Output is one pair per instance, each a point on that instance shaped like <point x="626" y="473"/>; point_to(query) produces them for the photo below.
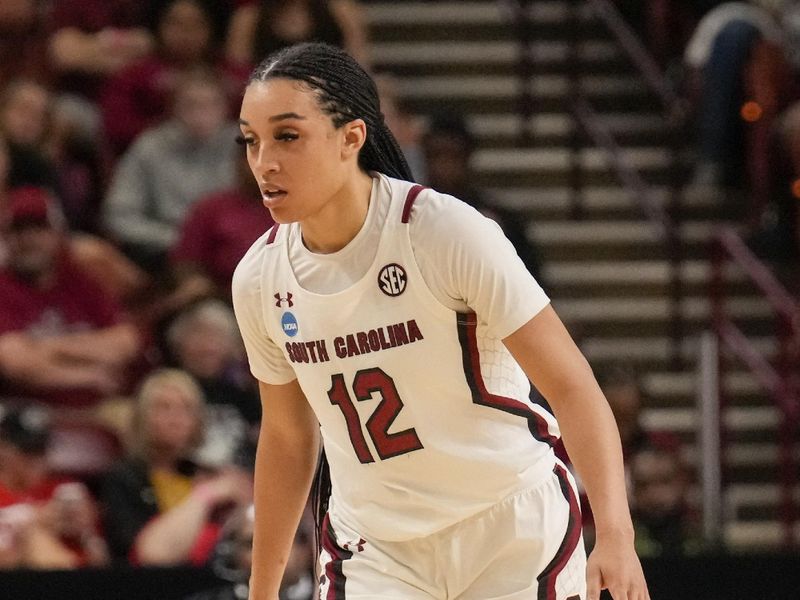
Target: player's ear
<point x="355" y="136"/>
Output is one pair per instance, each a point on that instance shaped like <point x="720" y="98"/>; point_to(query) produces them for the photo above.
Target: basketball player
<point x="398" y="325"/>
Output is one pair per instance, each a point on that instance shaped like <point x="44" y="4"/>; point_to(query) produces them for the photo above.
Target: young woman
<point x="399" y="325"/>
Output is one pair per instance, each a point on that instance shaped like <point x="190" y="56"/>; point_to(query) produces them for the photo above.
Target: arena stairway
<point x="607" y="274"/>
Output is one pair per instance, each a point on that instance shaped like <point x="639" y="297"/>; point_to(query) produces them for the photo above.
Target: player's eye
<point x="243" y="140"/>
<point x="286" y="136"/>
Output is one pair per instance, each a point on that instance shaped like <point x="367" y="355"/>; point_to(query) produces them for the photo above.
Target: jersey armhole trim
<point x="272" y="233"/>
<point x="410" y="198"/>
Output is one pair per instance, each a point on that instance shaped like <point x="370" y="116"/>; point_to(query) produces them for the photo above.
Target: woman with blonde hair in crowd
<point x="162" y="508"/>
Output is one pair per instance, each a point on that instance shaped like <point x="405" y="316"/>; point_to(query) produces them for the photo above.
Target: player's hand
<point x="613" y="565"/>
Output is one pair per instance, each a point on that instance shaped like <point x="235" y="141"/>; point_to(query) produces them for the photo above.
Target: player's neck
<point x="340" y="220"/>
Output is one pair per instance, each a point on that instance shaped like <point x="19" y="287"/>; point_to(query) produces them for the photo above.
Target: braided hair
<point x="345" y="92"/>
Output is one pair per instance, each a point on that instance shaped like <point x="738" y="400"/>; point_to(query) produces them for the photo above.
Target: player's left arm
<point x="548" y="355"/>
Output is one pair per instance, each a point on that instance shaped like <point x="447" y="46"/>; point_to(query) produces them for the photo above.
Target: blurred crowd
<point x="128" y="417"/>
<point x="737" y="65"/>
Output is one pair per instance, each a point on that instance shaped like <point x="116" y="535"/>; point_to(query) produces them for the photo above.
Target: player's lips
<point x="272" y="195"/>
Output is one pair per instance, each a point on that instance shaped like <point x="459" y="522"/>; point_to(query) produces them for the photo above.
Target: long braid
<point x="345" y="92"/>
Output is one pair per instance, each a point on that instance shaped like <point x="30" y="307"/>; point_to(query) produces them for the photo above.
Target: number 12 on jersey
<point x="365" y="383"/>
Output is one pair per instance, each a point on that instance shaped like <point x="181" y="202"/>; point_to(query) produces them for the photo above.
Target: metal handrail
<point x="637" y="53"/>
<point x="776" y="294"/>
<point x="781" y="382"/>
<point x="631" y="178"/>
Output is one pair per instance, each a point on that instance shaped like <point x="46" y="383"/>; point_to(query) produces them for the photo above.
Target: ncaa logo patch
<point x="289" y="324"/>
<point x="392" y="279"/>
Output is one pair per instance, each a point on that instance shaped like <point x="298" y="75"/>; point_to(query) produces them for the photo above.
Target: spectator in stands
<point x="25" y="118"/>
<point x="234" y="555"/>
<point x="218" y="230"/>
<point x="661" y="516"/>
<point x="448" y="146"/>
<point x="407" y="127"/>
<point x="93" y="39"/>
<point x="170" y="167"/>
<point x="783" y="217"/>
<point x="203" y="339"/>
<point x="23" y="40"/>
<point x="260" y="28"/>
<point x="718" y="56"/>
<point x="62" y="339"/>
<point x="46" y="150"/>
<point x="45" y="522"/>
<point x="161" y="508"/>
<point x="187" y="35"/>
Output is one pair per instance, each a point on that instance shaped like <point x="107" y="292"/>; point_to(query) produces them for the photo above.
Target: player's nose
<point x="264" y="163"/>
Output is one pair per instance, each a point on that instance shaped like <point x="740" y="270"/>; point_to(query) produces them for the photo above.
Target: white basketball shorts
<point x="529" y="546"/>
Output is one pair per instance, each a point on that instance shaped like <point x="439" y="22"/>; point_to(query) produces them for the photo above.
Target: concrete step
<point x="737" y="419"/>
<point x="749" y="536"/>
<point x="634" y="279"/>
<point x="555" y="129"/>
<point x="599" y="202"/>
<point x="650" y="353"/>
<point x="615" y="240"/>
<point x="498" y="93"/>
<point x="411" y="57"/>
<point x="664" y="389"/>
<point x="553" y="166"/>
<point x="740" y="498"/>
<point x="397" y="21"/>
<point x="633" y="316"/>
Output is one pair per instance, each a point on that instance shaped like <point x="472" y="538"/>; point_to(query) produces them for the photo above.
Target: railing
<point x="587" y="123"/>
<point x="674" y="112"/>
<point x="781" y="380"/>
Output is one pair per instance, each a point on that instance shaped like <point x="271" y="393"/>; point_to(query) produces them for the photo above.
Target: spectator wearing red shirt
<point x="218" y="231"/>
<point x="62" y="339"/>
<point x="187" y="35"/>
<point x="46" y="522"/>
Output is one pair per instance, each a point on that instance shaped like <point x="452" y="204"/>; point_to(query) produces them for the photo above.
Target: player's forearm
<point x="283" y="473"/>
<point x="592" y="441"/>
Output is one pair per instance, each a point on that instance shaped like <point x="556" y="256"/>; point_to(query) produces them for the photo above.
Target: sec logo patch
<point x="392" y="279"/>
<point x="289" y="324"/>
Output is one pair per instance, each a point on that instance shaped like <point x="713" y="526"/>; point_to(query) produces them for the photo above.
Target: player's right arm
<point x="288" y="447"/>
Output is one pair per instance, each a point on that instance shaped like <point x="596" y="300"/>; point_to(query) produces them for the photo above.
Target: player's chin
<point x="284" y="215"/>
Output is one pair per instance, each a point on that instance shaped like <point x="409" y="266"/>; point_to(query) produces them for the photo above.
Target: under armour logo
<point x="281" y="299"/>
<point x="355" y="546"/>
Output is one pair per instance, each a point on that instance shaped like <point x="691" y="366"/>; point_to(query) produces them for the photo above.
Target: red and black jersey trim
<point x="410" y="198"/>
<point x="272" y="233"/>
<point x="467" y="336"/>
<point x="333" y="568"/>
<point x="547" y="578"/>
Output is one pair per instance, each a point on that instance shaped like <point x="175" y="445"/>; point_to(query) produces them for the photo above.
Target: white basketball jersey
<point x="425" y="417"/>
